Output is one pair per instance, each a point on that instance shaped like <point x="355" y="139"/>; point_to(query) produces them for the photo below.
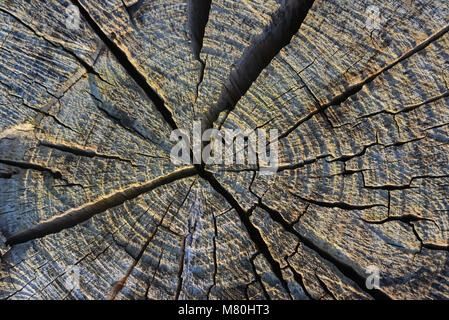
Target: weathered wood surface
<point x="86" y="116"/>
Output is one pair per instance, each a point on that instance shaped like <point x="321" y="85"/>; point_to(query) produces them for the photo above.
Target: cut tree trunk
<point x="92" y="207"/>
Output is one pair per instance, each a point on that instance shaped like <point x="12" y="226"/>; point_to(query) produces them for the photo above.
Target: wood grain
<point x="86" y="179"/>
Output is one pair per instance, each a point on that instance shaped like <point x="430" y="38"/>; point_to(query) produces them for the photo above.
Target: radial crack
<point x="355" y="88"/>
<point x="198" y="15"/>
<point x="132" y="70"/>
<point x="214" y="256"/>
<point x="252" y="231"/>
<point x="78" y="215"/>
<point x="343" y="267"/>
<point x="284" y="25"/>
<point x="80" y="151"/>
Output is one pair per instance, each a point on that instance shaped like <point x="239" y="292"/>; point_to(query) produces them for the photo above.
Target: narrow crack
<point x="355" y="88"/>
<point x="286" y="21"/>
<point x="436" y="126"/>
<point x="197" y="17"/>
<point x="343" y="267"/>
<point x="120" y="118"/>
<point x="132" y="9"/>
<point x="340" y="205"/>
<point x="391" y="187"/>
<point x="200" y="79"/>
<point x="252" y="231"/>
<point x="347" y="157"/>
<point x="181" y="268"/>
<point x="121" y="283"/>
<point x="33" y="166"/>
<point x="132" y="70"/>
<point x="214" y="256"/>
<point x="408" y="108"/>
<point x="89" y="68"/>
<point x="325" y="287"/>
<point x="300" y="280"/>
<point x="47" y="114"/>
<point x="150" y="283"/>
<point x="301" y="164"/>
<point x="80" y="151"/>
<point x="257" y="276"/>
<point x="406" y="218"/>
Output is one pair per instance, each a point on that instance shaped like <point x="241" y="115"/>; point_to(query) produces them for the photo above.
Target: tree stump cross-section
<point x="93" y="207"/>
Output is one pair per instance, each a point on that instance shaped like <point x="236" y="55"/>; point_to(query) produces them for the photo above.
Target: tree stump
<point x="92" y="207"/>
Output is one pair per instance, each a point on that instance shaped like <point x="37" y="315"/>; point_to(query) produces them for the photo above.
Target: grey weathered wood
<point x="85" y="121"/>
